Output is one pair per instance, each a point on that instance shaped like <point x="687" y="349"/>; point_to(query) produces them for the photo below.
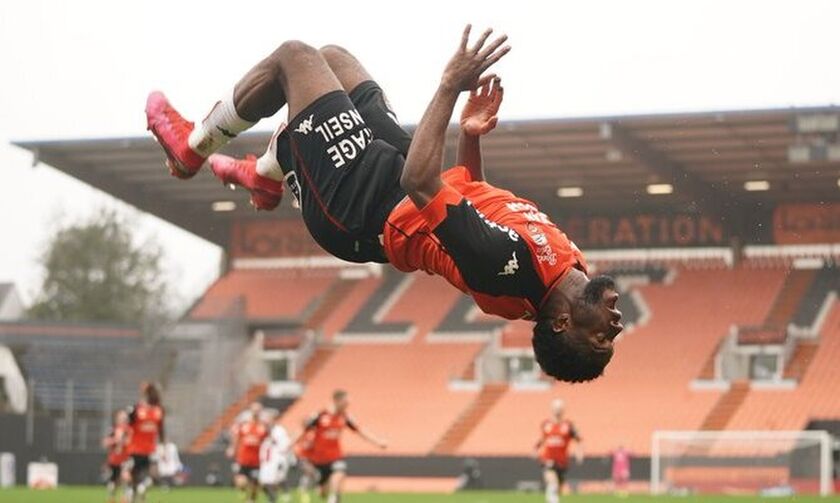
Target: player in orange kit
<point x="556" y="438"/>
<point x="117" y="445"/>
<point x="370" y="192"/>
<point x="302" y="450"/>
<point x="246" y="439"/>
<point x="146" y="421"/>
<point x="326" y="454"/>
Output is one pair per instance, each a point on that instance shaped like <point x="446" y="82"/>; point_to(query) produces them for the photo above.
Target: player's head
<point x="150" y="393"/>
<point x="254" y="411"/>
<point x="558" y="406"/>
<point x="340" y="400"/>
<point x="121" y="417"/>
<point x="574" y="341"/>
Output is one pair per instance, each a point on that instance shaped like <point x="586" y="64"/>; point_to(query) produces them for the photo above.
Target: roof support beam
<point x="704" y="196"/>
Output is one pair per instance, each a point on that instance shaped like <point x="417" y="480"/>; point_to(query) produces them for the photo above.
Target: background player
<point x="117" y="445"/>
<point x="352" y="181"/>
<point x="303" y="452"/>
<point x="620" y="459"/>
<point x="246" y="439"/>
<point x="556" y="438"/>
<point x="327" y="455"/>
<point x="274" y="461"/>
<point x="146" y="420"/>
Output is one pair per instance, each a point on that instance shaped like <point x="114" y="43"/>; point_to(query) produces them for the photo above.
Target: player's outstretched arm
<point x="371" y="438"/>
<point x="421" y="173"/>
<point x="478" y="118"/>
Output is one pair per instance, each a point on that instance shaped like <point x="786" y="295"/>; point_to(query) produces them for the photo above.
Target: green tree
<point x="94" y="271"/>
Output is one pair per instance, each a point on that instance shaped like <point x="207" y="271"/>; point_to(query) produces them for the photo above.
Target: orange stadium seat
<point x="398" y="391"/>
<point x="265" y="293"/>
<point x="816" y="396"/>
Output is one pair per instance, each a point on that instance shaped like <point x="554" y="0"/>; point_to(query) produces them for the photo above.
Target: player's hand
<point x="229" y="452"/>
<point x="463" y="71"/>
<point x="479" y="114"/>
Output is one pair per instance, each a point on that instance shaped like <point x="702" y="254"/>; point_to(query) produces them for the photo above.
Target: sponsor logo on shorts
<point x="511" y="267"/>
<point x="305" y="126"/>
<point x="346" y="135"/>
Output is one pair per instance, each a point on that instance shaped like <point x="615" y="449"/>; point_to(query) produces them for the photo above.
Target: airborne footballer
<point x="369" y="192"/>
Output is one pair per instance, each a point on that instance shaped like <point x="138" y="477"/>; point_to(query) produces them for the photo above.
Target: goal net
<point x="741" y="462"/>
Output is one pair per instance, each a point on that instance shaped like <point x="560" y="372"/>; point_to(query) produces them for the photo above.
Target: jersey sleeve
<point x="492" y="258"/>
<point x="574" y="433"/>
<point x="312" y="423"/>
<point x="351" y="423"/>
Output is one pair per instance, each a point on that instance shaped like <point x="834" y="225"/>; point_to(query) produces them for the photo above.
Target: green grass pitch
<point x="97" y="495"/>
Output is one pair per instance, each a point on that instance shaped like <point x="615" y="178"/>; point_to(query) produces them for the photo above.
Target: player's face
<point x="341" y="403"/>
<point x="596" y="315"/>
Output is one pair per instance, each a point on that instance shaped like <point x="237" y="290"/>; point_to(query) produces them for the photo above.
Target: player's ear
<point x="562" y="323"/>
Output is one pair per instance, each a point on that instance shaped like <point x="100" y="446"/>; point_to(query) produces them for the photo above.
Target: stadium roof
<point x="605" y="163"/>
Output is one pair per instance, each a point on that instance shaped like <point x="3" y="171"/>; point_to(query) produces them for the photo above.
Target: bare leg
<point x="371" y="103"/>
<point x="345" y="66"/>
<point x="295" y="73"/>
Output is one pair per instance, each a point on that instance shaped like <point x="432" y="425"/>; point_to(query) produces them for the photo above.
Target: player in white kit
<point x="274" y="462"/>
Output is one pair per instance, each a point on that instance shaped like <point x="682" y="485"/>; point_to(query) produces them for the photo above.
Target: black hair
<point x="567" y="355"/>
<point x="152" y="394"/>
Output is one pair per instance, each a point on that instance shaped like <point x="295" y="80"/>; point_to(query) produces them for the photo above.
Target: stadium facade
<point x="722" y="228"/>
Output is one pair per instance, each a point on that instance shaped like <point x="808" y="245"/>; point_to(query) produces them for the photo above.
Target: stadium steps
<point x="801" y="359"/>
<point x="726" y="406"/>
<point x="469" y="419"/>
<point x="316" y="362"/>
<point x="787" y="301"/>
<point x="329" y="303"/>
<point x="708" y="372"/>
<point x="209" y="435"/>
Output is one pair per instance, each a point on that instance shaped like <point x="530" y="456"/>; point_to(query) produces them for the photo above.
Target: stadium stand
<point x="815" y="397"/>
<point x="275" y="294"/>
<point x="400" y="391"/>
<point x="59" y="360"/>
<point x="625" y="406"/>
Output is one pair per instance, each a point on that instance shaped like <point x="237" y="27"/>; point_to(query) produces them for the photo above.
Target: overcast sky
<point x="82" y="69"/>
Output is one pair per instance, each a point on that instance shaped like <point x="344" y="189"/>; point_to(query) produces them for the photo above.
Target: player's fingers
<point x="495" y="44"/>
<point x="465" y="37"/>
<point x="492" y="123"/>
<point x="500" y="94"/>
<point x="495" y="88"/>
<point x="495" y="57"/>
<point x="480" y="42"/>
<point x="482" y="82"/>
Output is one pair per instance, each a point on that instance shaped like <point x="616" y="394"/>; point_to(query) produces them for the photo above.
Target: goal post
<point x="741" y="462"/>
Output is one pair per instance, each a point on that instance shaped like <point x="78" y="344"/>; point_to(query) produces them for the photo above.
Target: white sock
<point x="551" y="495"/>
<point x="220" y="126"/>
<point x="267" y="164"/>
<point x="333" y="498"/>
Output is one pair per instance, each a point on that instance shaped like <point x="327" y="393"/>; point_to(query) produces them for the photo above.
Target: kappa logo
<point x="511" y="267"/>
<point x="305" y="126"/>
<point x="225" y="132"/>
